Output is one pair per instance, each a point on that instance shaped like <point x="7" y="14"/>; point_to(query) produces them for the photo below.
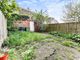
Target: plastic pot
<point x="4" y="57"/>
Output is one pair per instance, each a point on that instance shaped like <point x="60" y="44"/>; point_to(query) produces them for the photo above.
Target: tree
<point x="40" y="17"/>
<point x="8" y="7"/>
<point x="72" y="12"/>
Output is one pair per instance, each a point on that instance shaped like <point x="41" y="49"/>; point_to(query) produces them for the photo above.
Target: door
<point x="32" y="29"/>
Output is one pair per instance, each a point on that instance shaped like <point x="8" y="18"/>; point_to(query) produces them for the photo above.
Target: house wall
<point x="21" y="23"/>
<point x="28" y="24"/>
<point x="3" y="28"/>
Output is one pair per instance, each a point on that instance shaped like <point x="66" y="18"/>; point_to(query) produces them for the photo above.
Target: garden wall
<point x="3" y="28"/>
<point x="73" y="27"/>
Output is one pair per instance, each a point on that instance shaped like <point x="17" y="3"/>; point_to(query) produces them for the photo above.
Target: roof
<point x="52" y="20"/>
<point x="25" y="11"/>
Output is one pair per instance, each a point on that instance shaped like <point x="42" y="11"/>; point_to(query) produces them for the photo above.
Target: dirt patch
<point x="55" y="51"/>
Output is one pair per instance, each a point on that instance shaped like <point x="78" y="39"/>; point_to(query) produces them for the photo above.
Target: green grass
<point x="69" y="43"/>
<point x="21" y="54"/>
<point x="12" y="54"/>
<point x="22" y="38"/>
<point x="28" y="55"/>
<point x="22" y="47"/>
<point x="20" y="44"/>
<point x="67" y="39"/>
<point x="73" y="36"/>
<point x="61" y="34"/>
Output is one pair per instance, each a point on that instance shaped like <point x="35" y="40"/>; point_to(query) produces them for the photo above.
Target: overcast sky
<point x="54" y="7"/>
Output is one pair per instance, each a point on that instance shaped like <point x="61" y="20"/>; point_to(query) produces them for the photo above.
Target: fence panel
<point x="73" y="27"/>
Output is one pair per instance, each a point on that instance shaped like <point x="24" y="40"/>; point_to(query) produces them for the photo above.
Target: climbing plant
<point x="8" y="7"/>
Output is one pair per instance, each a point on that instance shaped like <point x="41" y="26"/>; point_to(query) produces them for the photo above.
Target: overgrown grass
<point x="12" y="54"/>
<point x="22" y="38"/>
<point x="69" y="43"/>
<point x="29" y="54"/>
<point x="61" y="34"/>
<point x="74" y="37"/>
<point x="21" y="44"/>
<point x="67" y="39"/>
<point x="20" y="54"/>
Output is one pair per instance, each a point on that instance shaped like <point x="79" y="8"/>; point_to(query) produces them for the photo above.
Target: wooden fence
<point x="3" y="28"/>
<point x="73" y="27"/>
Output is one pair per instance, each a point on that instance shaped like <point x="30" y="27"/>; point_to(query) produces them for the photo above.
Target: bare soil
<point x="55" y="51"/>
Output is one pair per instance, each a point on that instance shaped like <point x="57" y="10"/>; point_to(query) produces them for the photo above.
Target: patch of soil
<point x="55" y="51"/>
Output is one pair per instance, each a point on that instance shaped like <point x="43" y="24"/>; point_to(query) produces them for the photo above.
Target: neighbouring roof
<point x="25" y="11"/>
<point x="51" y="20"/>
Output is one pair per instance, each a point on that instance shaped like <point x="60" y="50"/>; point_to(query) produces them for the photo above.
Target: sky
<point x="54" y="8"/>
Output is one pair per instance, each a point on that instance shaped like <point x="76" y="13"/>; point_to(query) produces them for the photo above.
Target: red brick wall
<point x="24" y="23"/>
